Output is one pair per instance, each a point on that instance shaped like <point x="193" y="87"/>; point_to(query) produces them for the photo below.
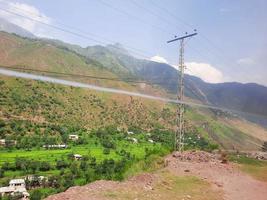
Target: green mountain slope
<point x="244" y="97"/>
<point x="32" y="102"/>
<point x="35" y="102"/>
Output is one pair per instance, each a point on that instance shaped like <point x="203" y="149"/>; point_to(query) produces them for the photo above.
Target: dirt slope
<point x="191" y="176"/>
<point x="235" y="184"/>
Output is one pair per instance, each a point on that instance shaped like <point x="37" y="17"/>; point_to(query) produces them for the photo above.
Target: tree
<point x="6" y="166"/>
<point x="74" y="168"/>
<point x="36" y="195"/>
<point x="54" y="181"/>
<point x="264" y="146"/>
<point x="45" y="166"/>
<point x="9" y="144"/>
<point x="25" y="143"/>
<point x="106" y="151"/>
<point x="2" y="172"/>
<point x="16" y="196"/>
<point x="90" y="175"/>
<point x="61" y="164"/>
<point x="68" y="180"/>
<point x="34" y="165"/>
<point x="83" y="165"/>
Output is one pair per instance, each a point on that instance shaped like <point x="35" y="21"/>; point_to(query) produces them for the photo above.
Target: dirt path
<point x="234" y="183"/>
<point x="216" y="181"/>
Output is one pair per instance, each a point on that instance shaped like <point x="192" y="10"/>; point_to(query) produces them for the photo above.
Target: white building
<point x="130" y="132"/>
<point x="73" y="137"/>
<point x="134" y="140"/>
<point x="35" y="177"/>
<point x="57" y="146"/>
<point x="17" y="183"/>
<point x="15" y="186"/>
<point x="77" y="156"/>
<point x="2" y="142"/>
<point x="151" y="141"/>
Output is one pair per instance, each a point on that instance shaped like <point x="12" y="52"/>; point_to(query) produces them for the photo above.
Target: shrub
<point x="2" y="172"/>
<point x="264" y="146"/>
<point x="36" y="195"/>
<point x="45" y="166"/>
<point x="61" y="164"/>
<point x="106" y="151"/>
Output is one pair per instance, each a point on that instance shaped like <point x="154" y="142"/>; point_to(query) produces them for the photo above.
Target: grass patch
<point x="253" y="167"/>
<point x="167" y="186"/>
<point x="181" y="187"/>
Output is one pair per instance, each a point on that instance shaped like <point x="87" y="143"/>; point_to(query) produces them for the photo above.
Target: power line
<point x="190" y="26"/>
<point x="83" y="32"/>
<point x="68" y="31"/>
<point x="119" y="91"/>
<point x="172" y="15"/>
<point x="172" y="24"/>
<point x="131" y="16"/>
<point x="152" y="13"/>
<point x="76" y="33"/>
<point x="60" y="74"/>
<point x="73" y="75"/>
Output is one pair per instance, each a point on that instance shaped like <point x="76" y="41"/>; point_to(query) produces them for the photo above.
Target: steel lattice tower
<point x="180" y="131"/>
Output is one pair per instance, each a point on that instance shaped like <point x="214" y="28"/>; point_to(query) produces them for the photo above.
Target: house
<point x="2" y="142"/>
<point x="77" y="156"/>
<point x="151" y="141"/>
<point x="55" y="146"/>
<point x="15" y="186"/>
<point x="17" y="183"/>
<point x="73" y="137"/>
<point x="130" y="132"/>
<point x="35" y="177"/>
<point x="134" y="140"/>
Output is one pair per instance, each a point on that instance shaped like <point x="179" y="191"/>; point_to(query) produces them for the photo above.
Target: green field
<point x="96" y="151"/>
<point x="99" y="162"/>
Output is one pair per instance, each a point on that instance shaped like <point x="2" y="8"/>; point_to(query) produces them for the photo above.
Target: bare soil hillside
<point x="192" y="175"/>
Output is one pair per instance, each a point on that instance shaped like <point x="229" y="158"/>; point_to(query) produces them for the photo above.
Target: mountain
<point x="12" y="28"/>
<point x="34" y="102"/>
<point x="250" y="98"/>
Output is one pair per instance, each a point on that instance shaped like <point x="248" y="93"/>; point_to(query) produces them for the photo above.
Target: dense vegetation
<point x="107" y="153"/>
<point x="34" y="114"/>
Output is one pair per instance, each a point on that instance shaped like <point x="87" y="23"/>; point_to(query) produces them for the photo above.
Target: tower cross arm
<point x="183" y="37"/>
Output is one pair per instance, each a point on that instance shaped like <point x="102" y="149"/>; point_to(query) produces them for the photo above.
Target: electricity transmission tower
<point x="179" y="133"/>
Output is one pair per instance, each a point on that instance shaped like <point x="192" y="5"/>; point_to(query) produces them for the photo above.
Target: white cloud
<point x="25" y="22"/>
<point x="205" y="71"/>
<point x="159" y="59"/>
<point x="246" y="61"/>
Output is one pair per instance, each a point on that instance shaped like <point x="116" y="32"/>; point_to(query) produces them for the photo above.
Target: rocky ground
<point x="191" y="175"/>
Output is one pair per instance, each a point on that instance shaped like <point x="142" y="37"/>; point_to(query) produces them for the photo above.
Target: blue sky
<point x="231" y="45"/>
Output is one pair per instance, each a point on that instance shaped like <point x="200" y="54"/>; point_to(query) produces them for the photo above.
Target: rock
<point x="218" y="184"/>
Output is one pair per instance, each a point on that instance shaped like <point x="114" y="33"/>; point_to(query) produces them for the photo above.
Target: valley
<point x="119" y="135"/>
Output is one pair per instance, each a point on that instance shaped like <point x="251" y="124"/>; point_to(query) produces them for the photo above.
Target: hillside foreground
<point x="191" y="175"/>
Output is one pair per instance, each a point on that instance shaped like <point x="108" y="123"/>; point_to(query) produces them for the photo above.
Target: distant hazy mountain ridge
<point x="12" y="28"/>
<point x="243" y="97"/>
<point x="114" y="58"/>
